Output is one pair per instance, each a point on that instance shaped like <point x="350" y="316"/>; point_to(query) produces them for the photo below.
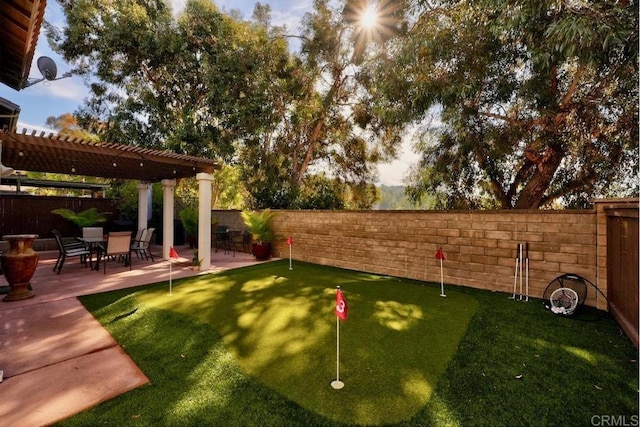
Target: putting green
<point x="280" y="326"/>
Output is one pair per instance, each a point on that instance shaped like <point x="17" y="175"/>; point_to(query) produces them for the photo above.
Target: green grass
<point x="256" y="346"/>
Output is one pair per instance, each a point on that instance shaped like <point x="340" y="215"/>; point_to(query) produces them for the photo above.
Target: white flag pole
<point x="170" y="275"/>
<point x="442" y="294"/>
<point x="337" y="384"/>
<point x="290" y="265"/>
<point x="340" y="312"/>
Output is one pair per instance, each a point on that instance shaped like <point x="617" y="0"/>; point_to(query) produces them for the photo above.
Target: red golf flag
<point x="173" y="253"/>
<point x="440" y="254"/>
<point x="289" y="240"/>
<point x="341" y="306"/>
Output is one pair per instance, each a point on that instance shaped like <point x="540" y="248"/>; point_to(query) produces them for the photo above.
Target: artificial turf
<point x="257" y="346"/>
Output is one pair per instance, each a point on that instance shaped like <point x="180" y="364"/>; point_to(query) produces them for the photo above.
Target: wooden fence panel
<point x="622" y="268"/>
<point x="32" y="215"/>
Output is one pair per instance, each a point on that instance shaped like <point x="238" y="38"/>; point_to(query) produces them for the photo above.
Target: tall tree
<point x="322" y="117"/>
<point x="538" y="100"/>
<point x="168" y="83"/>
<point x="213" y="85"/>
<point x="67" y="124"/>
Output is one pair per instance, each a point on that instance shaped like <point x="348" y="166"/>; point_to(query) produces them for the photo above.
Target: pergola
<point x="67" y="155"/>
<point x="20" y="23"/>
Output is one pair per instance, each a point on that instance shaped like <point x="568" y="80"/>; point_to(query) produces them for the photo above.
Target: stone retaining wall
<point x="480" y="246"/>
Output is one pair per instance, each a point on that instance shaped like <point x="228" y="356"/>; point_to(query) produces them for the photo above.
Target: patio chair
<point x="118" y="245"/>
<point x="246" y="241"/>
<point x="92" y="232"/>
<point x="139" y="235"/>
<point x="241" y="242"/>
<point x="142" y="248"/>
<point x="136" y="240"/>
<point x="67" y="251"/>
<point x="222" y="239"/>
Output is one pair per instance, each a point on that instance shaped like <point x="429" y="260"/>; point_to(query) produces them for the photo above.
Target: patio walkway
<point x="56" y="359"/>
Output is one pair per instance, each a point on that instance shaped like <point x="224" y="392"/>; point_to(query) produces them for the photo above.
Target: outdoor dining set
<point x="231" y="240"/>
<point x="94" y="246"/>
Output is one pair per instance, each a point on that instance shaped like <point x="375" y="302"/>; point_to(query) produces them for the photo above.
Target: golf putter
<point x="515" y="278"/>
<point x="526" y="277"/>
<point x="520" y="256"/>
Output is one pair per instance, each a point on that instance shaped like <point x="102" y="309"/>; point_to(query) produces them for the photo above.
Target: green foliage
<point x="187" y="192"/>
<point x="259" y="224"/>
<point x="228" y="190"/>
<point x="538" y="100"/>
<point x="396" y="198"/>
<point x="195" y="261"/>
<point x="169" y="82"/>
<point x="320" y="118"/>
<point x="125" y="195"/>
<point x="85" y="218"/>
<point x="189" y="218"/>
<point x="320" y="192"/>
<point x="210" y="84"/>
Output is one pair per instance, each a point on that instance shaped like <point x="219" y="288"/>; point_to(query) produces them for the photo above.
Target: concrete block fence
<point x="480" y="246"/>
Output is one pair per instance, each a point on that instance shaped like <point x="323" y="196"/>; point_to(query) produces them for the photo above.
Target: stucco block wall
<point x="480" y="246"/>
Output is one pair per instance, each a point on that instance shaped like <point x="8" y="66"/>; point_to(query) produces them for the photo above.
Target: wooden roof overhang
<point x="72" y="156"/>
<point x="20" y="22"/>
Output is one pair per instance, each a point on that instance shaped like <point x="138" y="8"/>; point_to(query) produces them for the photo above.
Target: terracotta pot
<point x="262" y="252"/>
<point x="19" y="263"/>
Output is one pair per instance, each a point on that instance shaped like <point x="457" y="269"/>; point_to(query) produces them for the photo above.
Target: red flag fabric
<point x="173" y="253"/>
<point x="341" y="306"/>
<point x="289" y="240"/>
<point x="440" y="254"/>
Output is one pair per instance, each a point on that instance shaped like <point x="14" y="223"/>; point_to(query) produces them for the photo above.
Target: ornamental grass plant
<point x="257" y="346"/>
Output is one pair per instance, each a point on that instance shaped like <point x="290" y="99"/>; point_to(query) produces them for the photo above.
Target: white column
<point x="168" y="186"/>
<point x="204" y="219"/>
<point x="143" y="205"/>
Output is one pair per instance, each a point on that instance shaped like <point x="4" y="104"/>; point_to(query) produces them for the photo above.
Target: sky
<point x="55" y="98"/>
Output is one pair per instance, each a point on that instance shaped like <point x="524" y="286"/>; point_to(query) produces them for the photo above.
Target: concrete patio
<point x="56" y="359"/>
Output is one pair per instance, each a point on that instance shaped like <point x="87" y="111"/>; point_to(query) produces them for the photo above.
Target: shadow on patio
<point x="55" y="357"/>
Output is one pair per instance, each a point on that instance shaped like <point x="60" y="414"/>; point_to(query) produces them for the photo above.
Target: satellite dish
<point x="48" y="70"/>
<point x="47" y="67"/>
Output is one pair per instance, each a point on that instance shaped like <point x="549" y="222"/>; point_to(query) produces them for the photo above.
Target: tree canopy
<point x="321" y="120"/>
<point x="167" y="83"/>
<point x="538" y="100"/>
<point x="535" y="102"/>
<point x="210" y="84"/>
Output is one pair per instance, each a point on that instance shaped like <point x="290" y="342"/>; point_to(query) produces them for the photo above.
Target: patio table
<point x="94" y="244"/>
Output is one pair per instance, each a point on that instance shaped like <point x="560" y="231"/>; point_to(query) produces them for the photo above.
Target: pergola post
<point x="204" y="219"/>
<point x="168" y="186"/>
<point x="143" y="204"/>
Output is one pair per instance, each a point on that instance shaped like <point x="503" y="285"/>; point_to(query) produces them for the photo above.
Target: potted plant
<point x="195" y="261"/>
<point x="85" y="218"/>
<point x="259" y="225"/>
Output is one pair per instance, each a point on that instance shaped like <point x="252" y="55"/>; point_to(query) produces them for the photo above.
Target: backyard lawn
<point x="257" y="346"/>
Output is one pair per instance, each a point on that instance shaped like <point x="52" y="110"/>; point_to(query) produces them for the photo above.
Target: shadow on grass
<point x="280" y="327"/>
<point x="519" y="364"/>
<point x="515" y="365"/>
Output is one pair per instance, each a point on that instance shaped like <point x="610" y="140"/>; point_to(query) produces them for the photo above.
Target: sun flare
<point x="369" y="17"/>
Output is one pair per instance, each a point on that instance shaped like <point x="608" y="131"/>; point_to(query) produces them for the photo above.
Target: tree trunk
<point x="547" y="164"/>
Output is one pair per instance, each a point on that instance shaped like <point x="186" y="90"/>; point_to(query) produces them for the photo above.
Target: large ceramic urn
<point x="18" y="264"/>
